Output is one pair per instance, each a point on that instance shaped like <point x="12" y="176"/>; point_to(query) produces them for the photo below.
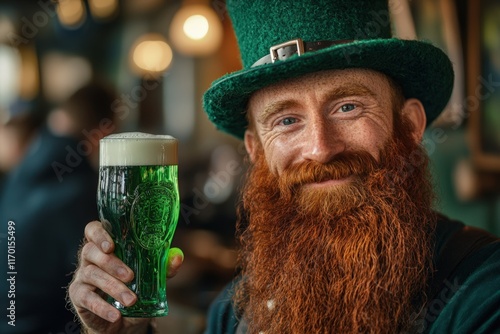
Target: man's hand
<point x="101" y="273"/>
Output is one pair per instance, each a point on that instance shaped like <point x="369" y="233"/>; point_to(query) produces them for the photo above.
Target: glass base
<point x="142" y="309"/>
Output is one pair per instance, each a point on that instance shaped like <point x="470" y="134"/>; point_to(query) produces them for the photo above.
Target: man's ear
<point x="415" y="111"/>
<point x="250" y="144"/>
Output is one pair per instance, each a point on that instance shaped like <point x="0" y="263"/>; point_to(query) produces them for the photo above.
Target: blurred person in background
<point x="50" y="196"/>
<point x="16" y="134"/>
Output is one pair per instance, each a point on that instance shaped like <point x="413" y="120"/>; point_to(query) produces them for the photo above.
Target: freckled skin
<point x="322" y="114"/>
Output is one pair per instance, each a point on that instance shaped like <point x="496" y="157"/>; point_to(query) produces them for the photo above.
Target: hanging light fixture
<point x="196" y="27"/>
<point x="103" y="9"/>
<point x="71" y="13"/>
<point x="196" y="30"/>
<point x="150" y="54"/>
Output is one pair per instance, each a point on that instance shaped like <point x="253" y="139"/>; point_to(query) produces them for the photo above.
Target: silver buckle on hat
<point x="273" y="50"/>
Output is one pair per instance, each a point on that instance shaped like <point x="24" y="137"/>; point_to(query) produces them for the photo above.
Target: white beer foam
<point x="137" y="149"/>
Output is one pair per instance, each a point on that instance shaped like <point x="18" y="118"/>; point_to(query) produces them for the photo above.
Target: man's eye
<point x="288" y="121"/>
<point x="347" y="107"/>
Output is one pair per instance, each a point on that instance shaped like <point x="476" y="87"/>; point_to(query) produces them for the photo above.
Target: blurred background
<point x="155" y="58"/>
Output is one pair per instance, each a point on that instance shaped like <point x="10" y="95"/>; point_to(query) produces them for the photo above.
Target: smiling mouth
<point x="329" y="183"/>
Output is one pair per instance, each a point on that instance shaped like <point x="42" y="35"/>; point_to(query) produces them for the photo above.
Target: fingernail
<point x="127" y="298"/>
<point x="122" y="272"/>
<point x="113" y="316"/>
<point x="177" y="261"/>
<point x="105" y="246"/>
<point x="177" y="251"/>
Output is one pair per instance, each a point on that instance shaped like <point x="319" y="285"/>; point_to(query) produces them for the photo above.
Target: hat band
<point x="295" y="46"/>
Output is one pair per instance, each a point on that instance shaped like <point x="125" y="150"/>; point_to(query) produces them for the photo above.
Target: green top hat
<point x="279" y="40"/>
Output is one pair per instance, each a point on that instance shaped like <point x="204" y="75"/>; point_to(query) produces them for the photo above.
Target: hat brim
<point x="423" y="71"/>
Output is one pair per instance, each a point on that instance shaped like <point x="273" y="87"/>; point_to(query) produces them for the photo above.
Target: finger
<point x="96" y="278"/>
<point x="84" y="298"/>
<point x="175" y="259"/>
<point x="95" y="232"/>
<point x="107" y="262"/>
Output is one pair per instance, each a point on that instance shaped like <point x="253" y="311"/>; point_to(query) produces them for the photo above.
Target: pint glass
<point x="138" y="202"/>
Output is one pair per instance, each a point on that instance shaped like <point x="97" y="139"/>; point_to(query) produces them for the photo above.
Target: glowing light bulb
<point x="196" y="27"/>
<point x="196" y="30"/>
<point x="103" y="8"/>
<point x="71" y="12"/>
<point x="152" y="54"/>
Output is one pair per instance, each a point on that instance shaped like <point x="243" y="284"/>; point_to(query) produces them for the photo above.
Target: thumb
<point x="175" y="259"/>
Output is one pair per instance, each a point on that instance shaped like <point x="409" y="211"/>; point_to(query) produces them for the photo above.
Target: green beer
<point x="138" y="202"/>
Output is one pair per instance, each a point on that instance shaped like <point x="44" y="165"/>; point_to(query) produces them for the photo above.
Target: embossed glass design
<point x="138" y="202"/>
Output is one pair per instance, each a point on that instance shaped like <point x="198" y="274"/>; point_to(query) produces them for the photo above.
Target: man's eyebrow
<point x="274" y="108"/>
<point x="354" y="89"/>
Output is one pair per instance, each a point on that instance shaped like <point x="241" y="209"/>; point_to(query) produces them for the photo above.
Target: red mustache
<point x="360" y="163"/>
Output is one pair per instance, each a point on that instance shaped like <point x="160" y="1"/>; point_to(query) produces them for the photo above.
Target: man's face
<point x="318" y="116"/>
<point x="335" y="218"/>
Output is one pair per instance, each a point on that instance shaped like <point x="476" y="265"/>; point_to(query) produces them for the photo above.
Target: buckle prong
<point x="273" y="50"/>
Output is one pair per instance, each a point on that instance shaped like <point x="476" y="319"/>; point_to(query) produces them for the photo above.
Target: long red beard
<point x="352" y="259"/>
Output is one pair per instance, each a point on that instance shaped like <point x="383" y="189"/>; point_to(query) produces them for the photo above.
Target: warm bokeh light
<point x="71" y="13"/>
<point x="29" y="82"/>
<point x="196" y="27"/>
<point x="62" y="74"/>
<point x="196" y="30"/>
<point x="103" y="9"/>
<point x="151" y="54"/>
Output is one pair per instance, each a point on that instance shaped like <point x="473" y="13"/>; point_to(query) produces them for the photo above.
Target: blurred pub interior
<point x="160" y="56"/>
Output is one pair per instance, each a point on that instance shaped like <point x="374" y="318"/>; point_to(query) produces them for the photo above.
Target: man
<point x="44" y="205"/>
<point x="17" y="133"/>
<point x="336" y="225"/>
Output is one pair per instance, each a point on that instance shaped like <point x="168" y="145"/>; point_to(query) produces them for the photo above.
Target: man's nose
<point x="323" y="141"/>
